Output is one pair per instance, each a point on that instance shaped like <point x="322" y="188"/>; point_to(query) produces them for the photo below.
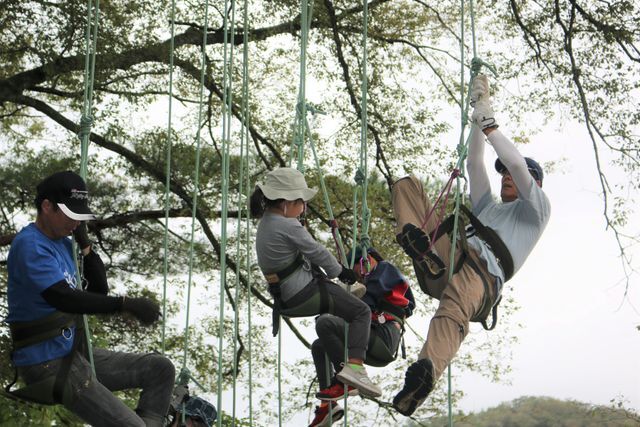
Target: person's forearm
<point x="510" y="157"/>
<point x="68" y="300"/>
<point x="478" y="178"/>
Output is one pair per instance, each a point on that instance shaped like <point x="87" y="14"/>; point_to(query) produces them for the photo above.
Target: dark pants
<point x="341" y="304"/>
<point x="93" y="400"/>
<point x="328" y="349"/>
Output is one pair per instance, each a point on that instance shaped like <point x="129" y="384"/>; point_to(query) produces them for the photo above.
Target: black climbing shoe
<point x="418" y="383"/>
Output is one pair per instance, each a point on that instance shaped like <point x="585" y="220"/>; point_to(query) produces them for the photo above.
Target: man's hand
<point x="348" y="276"/>
<point x="144" y="309"/>
<point x="482" y="115"/>
<point x="82" y="236"/>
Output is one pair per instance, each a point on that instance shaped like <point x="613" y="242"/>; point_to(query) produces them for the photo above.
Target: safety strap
<point x="24" y="334"/>
<point x="488" y="306"/>
<point x="279" y="276"/>
<point x="379" y="354"/>
<point x="417" y="245"/>
<point x="494" y="241"/>
<point x="51" y="390"/>
<point x="485" y="233"/>
<point x="499" y="250"/>
<point x="317" y="304"/>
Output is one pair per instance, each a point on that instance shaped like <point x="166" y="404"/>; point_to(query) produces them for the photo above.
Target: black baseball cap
<point x="69" y="191"/>
<point x="533" y="166"/>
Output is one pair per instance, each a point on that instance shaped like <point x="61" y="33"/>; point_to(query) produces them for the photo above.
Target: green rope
<point x="365" y="241"/>
<point x="246" y="182"/>
<point x="463" y="146"/>
<point x="86" y="121"/>
<point x="297" y="144"/>
<point x="239" y="204"/>
<point x="248" y="243"/>
<point x="325" y="195"/>
<point x="362" y="175"/>
<point x="167" y="184"/>
<point x="227" y="102"/>
<point x="246" y="119"/>
<point x="196" y="183"/>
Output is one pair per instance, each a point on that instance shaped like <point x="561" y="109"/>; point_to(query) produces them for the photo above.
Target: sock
<point x="356" y="367"/>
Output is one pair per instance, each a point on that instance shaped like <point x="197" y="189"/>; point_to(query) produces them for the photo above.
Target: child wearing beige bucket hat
<point x="298" y="270"/>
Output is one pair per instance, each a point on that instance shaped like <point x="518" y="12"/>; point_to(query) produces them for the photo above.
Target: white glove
<point x="479" y="89"/>
<point x="482" y="115"/>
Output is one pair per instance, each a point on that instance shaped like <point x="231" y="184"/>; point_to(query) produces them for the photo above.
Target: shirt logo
<point x="70" y="279"/>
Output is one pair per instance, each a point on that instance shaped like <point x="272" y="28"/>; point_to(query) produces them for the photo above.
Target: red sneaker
<point x="327" y="415"/>
<point x="336" y="392"/>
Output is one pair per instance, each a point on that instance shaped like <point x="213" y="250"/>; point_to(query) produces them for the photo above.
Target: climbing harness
<point x="53" y="389"/>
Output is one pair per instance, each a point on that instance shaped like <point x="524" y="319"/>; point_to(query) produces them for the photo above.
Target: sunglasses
<point x="533" y="172"/>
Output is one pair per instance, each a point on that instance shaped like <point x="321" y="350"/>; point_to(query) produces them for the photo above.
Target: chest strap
<point x="494" y="241"/>
<point x="487" y="234"/>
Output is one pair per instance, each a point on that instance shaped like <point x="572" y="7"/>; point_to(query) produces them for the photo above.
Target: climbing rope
<point x="167" y="172"/>
<point x="300" y="124"/>
<point x="86" y="121"/>
<point x="463" y="147"/>
<point x="185" y="375"/>
<point x="227" y="103"/>
<point x="248" y="243"/>
<point x="244" y="180"/>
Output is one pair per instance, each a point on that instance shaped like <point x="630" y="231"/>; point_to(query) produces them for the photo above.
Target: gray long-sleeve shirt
<point x="279" y="240"/>
<point x="519" y="223"/>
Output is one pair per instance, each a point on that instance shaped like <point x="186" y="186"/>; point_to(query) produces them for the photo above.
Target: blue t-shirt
<point x="35" y="263"/>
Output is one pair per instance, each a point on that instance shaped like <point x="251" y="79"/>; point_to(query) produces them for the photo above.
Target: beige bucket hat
<point x="287" y="184"/>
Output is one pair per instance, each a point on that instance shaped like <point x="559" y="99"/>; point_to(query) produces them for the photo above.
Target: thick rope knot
<point x="300" y="109"/>
<point x="455" y="173"/>
<point x="366" y="214"/>
<point x="86" y="122"/>
<point x="313" y="110"/>
<point x="477" y="64"/>
<point x="183" y="376"/>
<point x="359" y="178"/>
<point x="365" y="242"/>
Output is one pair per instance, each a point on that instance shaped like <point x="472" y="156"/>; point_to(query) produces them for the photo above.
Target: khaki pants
<point x="460" y="299"/>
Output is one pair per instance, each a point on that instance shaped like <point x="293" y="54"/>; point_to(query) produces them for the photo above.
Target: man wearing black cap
<point x="501" y="239"/>
<point x="45" y="301"/>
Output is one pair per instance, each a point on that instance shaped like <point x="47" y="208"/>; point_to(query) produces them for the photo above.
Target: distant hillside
<point x="542" y="412"/>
